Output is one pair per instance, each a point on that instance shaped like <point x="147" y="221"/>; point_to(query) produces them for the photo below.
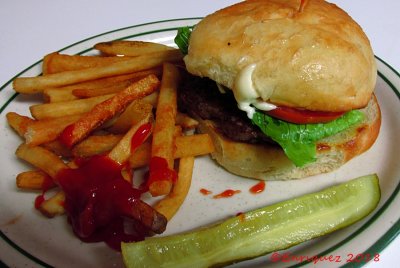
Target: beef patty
<point x="200" y="97"/>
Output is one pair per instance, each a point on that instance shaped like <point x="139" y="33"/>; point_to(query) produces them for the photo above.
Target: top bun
<point x="317" y="59"/>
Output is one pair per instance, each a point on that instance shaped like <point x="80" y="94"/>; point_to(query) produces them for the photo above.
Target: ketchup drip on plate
<point x="102" y="206"/>
<point x="258" y="188"/>
<point x="227" y="193"/>
<point x="205" y="191"/>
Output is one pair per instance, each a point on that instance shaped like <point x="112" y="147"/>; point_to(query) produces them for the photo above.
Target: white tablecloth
<point x="31" y="29"/>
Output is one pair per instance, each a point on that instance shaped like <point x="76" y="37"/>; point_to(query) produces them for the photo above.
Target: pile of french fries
<point x="94" y="105"/>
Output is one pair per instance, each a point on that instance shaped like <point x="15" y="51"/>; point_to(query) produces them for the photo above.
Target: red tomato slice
<point x="298" y="116"/>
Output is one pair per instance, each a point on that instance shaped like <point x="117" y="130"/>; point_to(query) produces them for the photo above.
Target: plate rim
<point x="378" y="246"/>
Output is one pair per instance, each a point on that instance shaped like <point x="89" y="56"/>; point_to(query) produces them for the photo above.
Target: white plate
<point x="29" y="239"/>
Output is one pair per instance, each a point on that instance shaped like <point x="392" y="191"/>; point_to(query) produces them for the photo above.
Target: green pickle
<point x="262" y="231"/>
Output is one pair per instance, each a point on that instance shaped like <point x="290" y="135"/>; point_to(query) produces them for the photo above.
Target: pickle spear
<point x="260" y="231"/>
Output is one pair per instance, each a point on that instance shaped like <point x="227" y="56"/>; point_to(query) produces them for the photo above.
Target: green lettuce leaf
<point x="182" y="38"/>
<point x="299" y="141"/>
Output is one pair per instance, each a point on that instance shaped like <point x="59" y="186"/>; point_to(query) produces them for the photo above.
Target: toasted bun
<point x="318" y="59"/>
<point x="270" y="163"/>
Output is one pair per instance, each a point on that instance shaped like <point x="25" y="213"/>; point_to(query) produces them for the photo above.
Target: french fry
<point x="19" y="122"/>
<point x="134" y="113"/>
<point x="141" y="157"/>
<point x="65" y="93"/>
<point x="93" y="92"/>
<point x="32" y="85"/>
<point x="47" y="130"/>
<point x="163" y="135"/>
<point x="54" y="205"/>
<point x="108" y="109"/>
<point x="73" y="107"/>
<point x="193" y="145"/>
<point x="100" y="144"/>
<point x="58" y="148"/>
<point x="169" y="205"/>
<point x="41" y="158"/>
<point x="151" y="99"/>
<point x="186" y="121"/>
<point x="122" y="151"/>
<point x="138" y="133"/>
<point x="59" y="94"/>
<point x="185" y="146"/>
<point x="115" y="87"/>
<point x="130" y="48"/>
<point x="127" y="174"/>
<point x="105" y="106"/>
<point x="56" y="62"/>
<point x="34" y="180"/>
<point x="95" y="145"/>
<point x="162" y="144"/>
<point x="46" y="60"/>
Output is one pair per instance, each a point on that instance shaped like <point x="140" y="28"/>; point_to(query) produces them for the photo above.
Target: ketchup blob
<point x="258" y="188"/>
<point x="227" y="193"/>
<point x="96" y="198"/>
<point x="140" y="136"/>
<point x="101" y="205"/>
<point x="205" y="191"/>
<point x="66" y="136"/>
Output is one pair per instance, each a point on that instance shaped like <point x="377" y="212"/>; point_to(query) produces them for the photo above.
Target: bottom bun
<point x="268" y="162"/>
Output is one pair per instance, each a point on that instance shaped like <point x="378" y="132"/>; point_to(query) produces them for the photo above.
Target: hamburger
<point x="285" y="88"/>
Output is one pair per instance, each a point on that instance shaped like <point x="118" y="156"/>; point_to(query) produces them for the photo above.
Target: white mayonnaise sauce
<point x="246" y="94"/>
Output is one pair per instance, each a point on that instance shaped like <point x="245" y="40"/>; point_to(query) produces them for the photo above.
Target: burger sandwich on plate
<point x="283" y="87"/>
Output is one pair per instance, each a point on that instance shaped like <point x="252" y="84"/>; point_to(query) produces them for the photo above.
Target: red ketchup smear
<point x="205" y="191"/>
<point x="227" y="193"/>
<point x="258" y="188"/>
<point x="98" y="199"/>
<point x="66" y="136"/>
<point x="140" y="136"/>
<point x="39" y="200"/>
<point x="47" y="184"/>
<point x="159" y="170"/>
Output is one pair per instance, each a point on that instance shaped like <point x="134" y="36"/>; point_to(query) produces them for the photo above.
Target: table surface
<point x="31" y="29"/>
